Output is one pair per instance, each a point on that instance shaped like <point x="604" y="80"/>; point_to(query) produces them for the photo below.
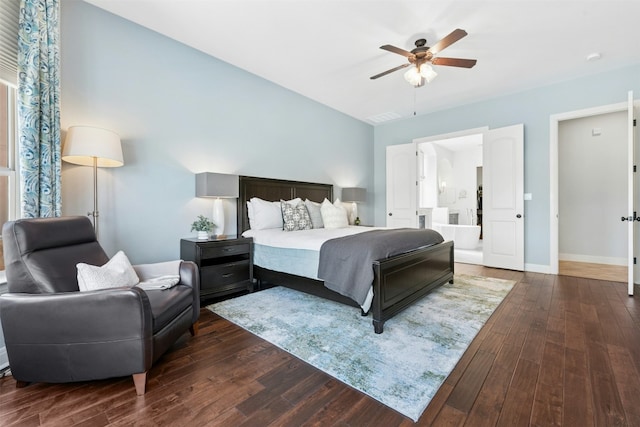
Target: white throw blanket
<point x="161" y="275"/>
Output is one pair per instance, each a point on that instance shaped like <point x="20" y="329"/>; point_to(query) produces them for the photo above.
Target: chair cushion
<point x="168" y="303"/>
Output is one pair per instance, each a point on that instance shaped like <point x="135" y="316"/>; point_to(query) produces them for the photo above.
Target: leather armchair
<point x="55" y="333"/>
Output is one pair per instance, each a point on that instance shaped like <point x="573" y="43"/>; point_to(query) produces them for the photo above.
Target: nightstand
<point x="225" y="265"/>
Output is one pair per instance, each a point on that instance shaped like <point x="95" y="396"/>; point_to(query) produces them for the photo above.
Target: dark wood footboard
<point x="403" y="279"/>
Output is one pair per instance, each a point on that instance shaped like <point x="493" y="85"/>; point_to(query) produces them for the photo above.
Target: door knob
<point x="390" y="214"/>
<point x="518" y="216"/>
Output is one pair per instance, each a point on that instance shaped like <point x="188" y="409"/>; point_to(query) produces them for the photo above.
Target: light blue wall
<point x="180" y="112"/>
<point x="533" y="108"/>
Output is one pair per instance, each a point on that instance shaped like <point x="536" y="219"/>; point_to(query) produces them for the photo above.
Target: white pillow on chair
<point x="117" y="272"/>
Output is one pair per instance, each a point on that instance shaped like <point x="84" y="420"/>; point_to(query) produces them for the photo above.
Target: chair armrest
<point x="76" y="317"/>
<point x="190" y="276"/>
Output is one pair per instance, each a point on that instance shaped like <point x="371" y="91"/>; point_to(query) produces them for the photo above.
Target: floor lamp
<point x="91" y="146"/>
<point x="217" y="186"/>
<point x="354" y="195"/>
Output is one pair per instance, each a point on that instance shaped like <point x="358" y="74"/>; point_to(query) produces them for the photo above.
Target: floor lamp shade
<point x="83" y="144"/>
<point x="96" y="147"/>
<point x="218" y="186"/>
<point x="354" y="195"/>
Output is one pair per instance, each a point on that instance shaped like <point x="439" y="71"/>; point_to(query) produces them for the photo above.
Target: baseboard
<point x="593" y="259"/>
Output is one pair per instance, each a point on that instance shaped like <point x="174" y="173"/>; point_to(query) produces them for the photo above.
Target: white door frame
<point x="554" y="121"/>
<point x="466" y="132"/>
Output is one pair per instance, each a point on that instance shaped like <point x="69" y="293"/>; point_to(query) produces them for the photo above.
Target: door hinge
<point x="635" y="260"/>
<point x="634" y="168"/>
<point x="634" y="122"/>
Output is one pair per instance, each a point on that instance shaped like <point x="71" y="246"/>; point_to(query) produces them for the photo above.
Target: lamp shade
<point x="84" y="143"/>
<point x="354" y="194"/>
<point x="217" y="185"/>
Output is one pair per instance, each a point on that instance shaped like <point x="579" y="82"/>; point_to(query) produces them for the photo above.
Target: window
<point x="9" y="11"/>
<point x="8" y="179"/>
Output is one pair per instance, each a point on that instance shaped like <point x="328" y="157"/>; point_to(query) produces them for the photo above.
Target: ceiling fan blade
<point x="384" y="73"/>
<point x="397" y="50"/>
<point x="454" y="62"/>
<point x="455" y="35"/>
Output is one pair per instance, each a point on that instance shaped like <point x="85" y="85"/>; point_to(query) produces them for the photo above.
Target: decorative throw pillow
<point x="314" y="213"/>
<point x="117" y="272"/>
<point x="295" y="217"/>
<point x="334" y="215"/>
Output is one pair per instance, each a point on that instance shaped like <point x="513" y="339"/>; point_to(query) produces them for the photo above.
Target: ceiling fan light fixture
<point x="428" y="72"/>
<point x="414" y="77"/>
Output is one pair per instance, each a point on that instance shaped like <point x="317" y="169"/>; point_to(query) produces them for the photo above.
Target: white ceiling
<point x="326" y="50"/>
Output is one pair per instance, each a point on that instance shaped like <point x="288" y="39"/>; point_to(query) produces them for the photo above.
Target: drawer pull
<point x="227" y="275"/>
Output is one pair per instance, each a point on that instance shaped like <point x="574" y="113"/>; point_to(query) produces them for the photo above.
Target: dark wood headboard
<point x="274" y="190"/>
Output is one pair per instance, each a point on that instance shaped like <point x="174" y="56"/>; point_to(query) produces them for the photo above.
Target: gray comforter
<point x="346" y="263"/>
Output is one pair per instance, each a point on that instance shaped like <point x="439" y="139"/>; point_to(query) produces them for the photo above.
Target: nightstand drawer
<point x="214" y="276"/>
<point x="222" y="251"/>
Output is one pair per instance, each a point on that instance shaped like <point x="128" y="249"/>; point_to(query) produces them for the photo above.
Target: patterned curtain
<point x="39" y="108"/>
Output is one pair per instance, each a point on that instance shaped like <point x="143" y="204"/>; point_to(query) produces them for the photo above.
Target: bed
<point x="398" y="280"/>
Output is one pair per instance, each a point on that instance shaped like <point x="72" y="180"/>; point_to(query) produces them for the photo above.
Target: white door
<point x="503" y="198"/>
<point x="631" y="189"/>
<point x="402" y="186"/>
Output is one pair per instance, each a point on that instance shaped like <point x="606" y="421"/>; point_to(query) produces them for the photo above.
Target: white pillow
<point x="334" y="215"/>
<point x="314" y="212"/>
<point x="264" y="214"/>
<point x="117" y="272"/>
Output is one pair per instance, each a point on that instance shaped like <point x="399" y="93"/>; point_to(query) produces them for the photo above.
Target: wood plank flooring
<point x="615" y="273"/>
<point x="558" y="351"/>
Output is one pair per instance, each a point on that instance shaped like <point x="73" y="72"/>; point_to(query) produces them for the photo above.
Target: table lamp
<point x="354" y="195"/>
<point x="217" y="186"/>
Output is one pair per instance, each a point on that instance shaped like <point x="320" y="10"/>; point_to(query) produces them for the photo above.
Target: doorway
<point x="450" y="183"/>
<point x="502" y="192"/>
<point x="592" y="194"/>
<point x="628" y="216"/>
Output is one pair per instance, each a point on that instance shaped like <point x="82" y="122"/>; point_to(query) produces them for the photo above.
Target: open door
<point x="402" y="186"/>
<point x="631" y="191"/>
<point x="503" y="198"/>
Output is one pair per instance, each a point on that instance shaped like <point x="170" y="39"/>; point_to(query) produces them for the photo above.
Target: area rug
<point x="404" y="366"/>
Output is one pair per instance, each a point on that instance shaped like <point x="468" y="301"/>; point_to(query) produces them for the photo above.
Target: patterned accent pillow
<point x="334" y="215"/>
<point x="295" y="216"/>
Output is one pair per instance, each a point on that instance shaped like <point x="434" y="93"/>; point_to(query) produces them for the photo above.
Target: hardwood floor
<point x="615" y="273"/>
<point x="558" y="351"/>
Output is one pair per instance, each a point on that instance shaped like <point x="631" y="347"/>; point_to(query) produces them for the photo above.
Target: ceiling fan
<point x="422" y="54"/>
